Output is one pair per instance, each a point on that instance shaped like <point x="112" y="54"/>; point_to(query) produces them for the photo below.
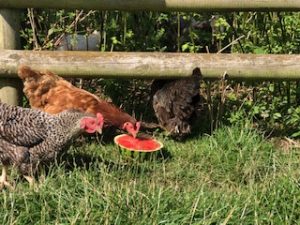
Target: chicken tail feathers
<point x="25" y="72"/>
<point x="197" y="73"/>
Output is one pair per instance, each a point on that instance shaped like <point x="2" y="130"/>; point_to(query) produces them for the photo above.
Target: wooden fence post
<point x="10" y="89"/>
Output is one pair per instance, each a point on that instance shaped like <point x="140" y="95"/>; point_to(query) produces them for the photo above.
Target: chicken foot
<point x="3" y="179"/>
<point x="30" y="180"/>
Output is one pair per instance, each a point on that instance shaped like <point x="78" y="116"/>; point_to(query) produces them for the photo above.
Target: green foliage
<point x="273" y="32"/>
<point x="272" y="106"/>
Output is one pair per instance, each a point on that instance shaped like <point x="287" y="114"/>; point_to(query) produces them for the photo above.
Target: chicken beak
<point x="137" y="128"/>
<point x="135" y="134"/>
<point x="99" y="130"/>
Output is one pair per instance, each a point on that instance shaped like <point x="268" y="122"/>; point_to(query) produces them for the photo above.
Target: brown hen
<point x="50" y="93"/>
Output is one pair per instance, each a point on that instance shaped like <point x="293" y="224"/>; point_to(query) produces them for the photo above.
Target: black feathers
<point x="175" y="103"/>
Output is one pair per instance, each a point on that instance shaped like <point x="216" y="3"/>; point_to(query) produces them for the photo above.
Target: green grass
<point x="231" y="177"/>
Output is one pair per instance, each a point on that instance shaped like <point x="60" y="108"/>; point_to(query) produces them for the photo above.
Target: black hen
<point x="176" y="102"/>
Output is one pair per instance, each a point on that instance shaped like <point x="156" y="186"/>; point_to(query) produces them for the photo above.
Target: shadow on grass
<point x="85" y="161"/>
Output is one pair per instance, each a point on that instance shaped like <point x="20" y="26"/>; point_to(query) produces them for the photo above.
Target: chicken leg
<point x="30" y="180"/>
<point x="3" y="179"/>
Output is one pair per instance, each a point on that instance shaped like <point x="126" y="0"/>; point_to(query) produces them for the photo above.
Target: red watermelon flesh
<point x="137" y="144"/>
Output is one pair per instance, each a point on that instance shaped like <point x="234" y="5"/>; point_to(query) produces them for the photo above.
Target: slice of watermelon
<point x="137" y="144"/>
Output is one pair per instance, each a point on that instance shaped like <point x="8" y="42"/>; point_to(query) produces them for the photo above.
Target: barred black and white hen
<point x="175" y="103"/>
<point x="31" y="137"/>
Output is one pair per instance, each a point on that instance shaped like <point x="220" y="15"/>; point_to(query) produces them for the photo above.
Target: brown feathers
<point x="51" y="93"/>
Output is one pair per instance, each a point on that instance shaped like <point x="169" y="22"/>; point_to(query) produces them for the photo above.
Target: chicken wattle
<point x="50" y="93"/>
<point x="31" y="137"/>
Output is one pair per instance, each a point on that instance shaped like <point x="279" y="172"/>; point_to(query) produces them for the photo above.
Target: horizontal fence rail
<point x="152" y="65"/>
<point x="158" y="5"/>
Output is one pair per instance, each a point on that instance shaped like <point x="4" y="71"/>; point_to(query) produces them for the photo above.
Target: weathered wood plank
<point x="152" y="65"/>
<point x="158" y="5"/>
<point x="10" y="89"/>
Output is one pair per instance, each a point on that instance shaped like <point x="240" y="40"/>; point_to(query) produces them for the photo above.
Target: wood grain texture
<point x="158" y="5"/>
<point x="152" y="65"/>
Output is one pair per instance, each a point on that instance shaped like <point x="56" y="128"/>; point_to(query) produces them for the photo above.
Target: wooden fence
<point x="139" y="65"/>
<point x="152" y="65"/>
<point x="158" y="5"/>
